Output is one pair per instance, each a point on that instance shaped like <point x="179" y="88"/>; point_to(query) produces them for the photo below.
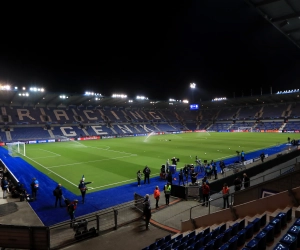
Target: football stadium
<point x="176" y="171"/>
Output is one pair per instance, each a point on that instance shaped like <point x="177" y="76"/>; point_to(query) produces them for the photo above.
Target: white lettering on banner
<point x="71" y="133"/>
<point x="154" y="115"/>
<point x="24" y="113"/>
<point x="248" y="162"/>
<point x="60" y="113"/>
<point x="98" y="130"/>
<point x="124" y="129"/>
<point x="136" y="115"/>
<point x="145" y="128"/>
<point x="89" y="117"/>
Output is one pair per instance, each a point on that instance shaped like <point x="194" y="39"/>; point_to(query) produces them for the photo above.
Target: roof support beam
<point x="286" y="17"/>
<point x="265" y="3"/>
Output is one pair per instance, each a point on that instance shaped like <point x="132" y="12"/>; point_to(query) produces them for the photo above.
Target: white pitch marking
<point x="51" y="171"/>
<point x="77" y="163"/>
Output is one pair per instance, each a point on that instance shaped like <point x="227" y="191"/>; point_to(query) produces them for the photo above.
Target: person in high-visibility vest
<point x="167" y="190"/>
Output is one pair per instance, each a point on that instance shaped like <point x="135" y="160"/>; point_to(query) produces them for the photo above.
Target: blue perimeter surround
<point x="44" y="205"/>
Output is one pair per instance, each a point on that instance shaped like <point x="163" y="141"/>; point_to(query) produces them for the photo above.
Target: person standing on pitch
<point x="139" y="177"/>
<point x="58" y="195"/>
<point x="34" y="187"/>
<point x="242" y="156"/>
<point x="146" y="172"/>
<point x="82" y="186"/>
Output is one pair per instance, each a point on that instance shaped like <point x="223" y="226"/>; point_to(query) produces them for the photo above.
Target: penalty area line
<point x="50" y="171"/>
<point x="111" y="184"/>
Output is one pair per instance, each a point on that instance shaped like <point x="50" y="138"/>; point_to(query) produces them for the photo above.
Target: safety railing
<point x="218" y="201"/>
<point x="63" y="234"/>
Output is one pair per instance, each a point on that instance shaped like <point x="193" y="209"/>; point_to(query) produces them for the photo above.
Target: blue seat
<point x="277" y="225"/>
<point x="224" y="246"/>
<point x="215" y="233"/>
<point x="206" y="231"/>
<point x="218" y="241"/>
<point x="179" y="237"/>
<point x="295" y="230"/>
<point x="184" y="239"/>
<point x="198" y="244"/>
<point x="263" y="220"/>
<point x="235" y="228"/>
<point x="182" y="246"/>
<point x="289" y="240"/>
<point x="168" y="247"/>
<point x="280" y="246"/>
<point x="283" y="219"/>
<point x="198" y="236"/>
<point x="252" y="244"/>
<point x="233" y="243"/>
<point x="172" y="241"/>
<point x="176" y="244"/>
<point x="206" y="239"/>
<point x="241" y="237"/>
<point x="241" y="224"/>
<point x="192" y="234"/>
<point x="152" y="246"/>
<point x="249" y="231"/>
<point x="289" y="215"/>
<point x="227" y="235"/>
<point x="168" y="238"/>
<point x="209" y="245"/>
<point x="222" y="228"/>
<point x="190" y="242"/>
<point x="163" y="246"/>
<point x="160" y="242"/>
<point x="269" y="230"/>
<point x="297" y="222"/>
<point x="262" y="240"/>
<point x="256" y="224"/>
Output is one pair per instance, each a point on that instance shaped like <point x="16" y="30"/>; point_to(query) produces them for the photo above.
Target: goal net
<point x="244" y="129"/>
<point x="16" y="148"/>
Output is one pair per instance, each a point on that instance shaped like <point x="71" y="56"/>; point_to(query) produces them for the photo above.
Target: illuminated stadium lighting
<point x="287" y="91"/>
<point x="185" y="101"/>
<point x="192" y="85"/>
<point x="97" y="98"/>
<point x="35" y="89"/>
<point x="16" y="88"/>
<point x="172" y="100"/>
<point x="88" y="93"/>
<point x="4" y="87"/>
<point x="219" y="99"/>
<point x="63" y="97"/>
<point x="119" y="96"/>
<point x="141" y="97"/>
<point x="24" y="88"/>
<point x="24" y="94"/>
<point x="130" y="100"/>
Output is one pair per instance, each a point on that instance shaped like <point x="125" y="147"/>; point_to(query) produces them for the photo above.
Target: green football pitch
<point x="113" y="162"/>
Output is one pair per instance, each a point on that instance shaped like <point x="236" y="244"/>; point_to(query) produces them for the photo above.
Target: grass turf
<point x="114" y="162"/>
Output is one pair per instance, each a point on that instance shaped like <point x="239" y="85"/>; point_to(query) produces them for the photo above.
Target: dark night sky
<point x="149" y="49"/>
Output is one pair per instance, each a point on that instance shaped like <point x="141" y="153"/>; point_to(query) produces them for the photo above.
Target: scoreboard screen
<point x="194" y="107"/>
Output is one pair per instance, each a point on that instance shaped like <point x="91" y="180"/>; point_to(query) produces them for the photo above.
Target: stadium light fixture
<point x="185" y="101"/>
<point x="192" y="85"/>
<point x="219" y="99"/>
<point x="130" y="100"/>
<point x="119" y="96"/>
<point x="25" y="94"/>
<point x="5" y="87"/>
<point x="141" y="97"/>
<point x="63" y="97"/>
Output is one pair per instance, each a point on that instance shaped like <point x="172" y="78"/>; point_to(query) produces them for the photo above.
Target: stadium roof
<point x="44" y="99"/>
<point x="283" y="14"/>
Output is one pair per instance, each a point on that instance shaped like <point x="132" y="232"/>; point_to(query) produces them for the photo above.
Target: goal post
<point x="244" y="129"/>
<point x="16" y="148"/>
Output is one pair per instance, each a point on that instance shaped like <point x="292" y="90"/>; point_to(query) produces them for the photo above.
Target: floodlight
<point x="185" y="101"/>
<point x="192" y="85"/>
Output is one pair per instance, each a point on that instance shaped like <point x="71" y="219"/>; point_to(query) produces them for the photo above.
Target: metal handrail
<point x="263" y="177"/>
